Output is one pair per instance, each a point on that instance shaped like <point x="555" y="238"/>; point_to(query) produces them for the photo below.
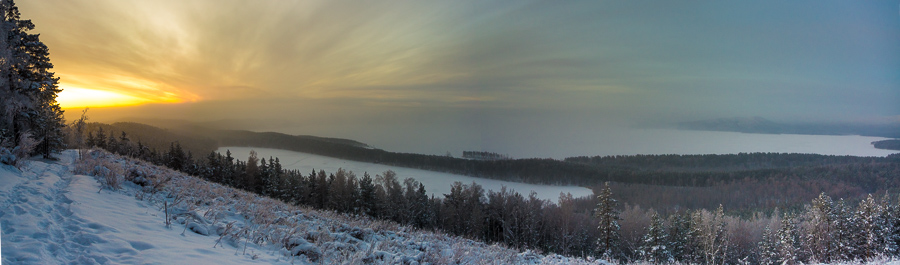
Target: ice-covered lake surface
<point x="436" y="183"/>
<point x="561" y="139"/>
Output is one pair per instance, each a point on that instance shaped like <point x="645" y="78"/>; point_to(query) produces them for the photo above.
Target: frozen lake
<point x="436" y="183"/>
<point x="570" y="143"/>
<point x="561" y="139"/>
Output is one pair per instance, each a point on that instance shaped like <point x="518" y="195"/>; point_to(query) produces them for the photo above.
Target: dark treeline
<point x="893" y="144"/>
<point x="713" y="163"/>
<point x="151" y="137"/>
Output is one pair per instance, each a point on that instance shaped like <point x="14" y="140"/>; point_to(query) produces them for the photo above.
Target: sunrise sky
<point x="218" y="59"/>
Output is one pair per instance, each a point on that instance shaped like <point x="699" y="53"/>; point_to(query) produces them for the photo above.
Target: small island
<point x="892" y="144"/>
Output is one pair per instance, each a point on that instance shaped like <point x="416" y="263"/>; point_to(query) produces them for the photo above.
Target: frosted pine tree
<point x="867" y="216"/>
<point x="680" y="238"/>
<point x="891" y="229"/>
<point x="819" y="238"/>
<point x="845" y="231"/>
<point x="766" y="248"/>
<point x="608" y="217"/>
<point x="654" y="246"/>
<point x="888" y="225"/>
<point x="28" y="89"/>
<point x="787" y="246"/>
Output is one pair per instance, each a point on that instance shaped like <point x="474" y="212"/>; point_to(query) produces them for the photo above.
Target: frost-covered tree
<point x="845" y="231"/>
<point x="680" y="238"/>
<point x="766" y="248"/>
<point x="608" y="223"/>
<point x="869" y="225"/>
<point x="890" y="229"/>
<point x="28" y="89"/>
<point x="787" y="245"/>
<point x="655" y="244"/>
<point x="710" y="235"/>
<point x="820" y="220"/>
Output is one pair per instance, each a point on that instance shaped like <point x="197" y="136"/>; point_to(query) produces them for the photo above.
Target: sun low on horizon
<point x="74" y="97"/>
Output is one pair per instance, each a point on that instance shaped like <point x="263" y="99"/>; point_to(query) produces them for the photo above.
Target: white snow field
<point x="49" y="215"/>
<point x="436" y="183"/>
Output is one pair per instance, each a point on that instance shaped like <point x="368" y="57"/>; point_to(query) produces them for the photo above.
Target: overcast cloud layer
<point x="788" y="60"/>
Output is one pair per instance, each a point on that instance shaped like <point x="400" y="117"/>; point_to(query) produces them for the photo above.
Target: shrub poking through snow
<point x="98" y="164"/>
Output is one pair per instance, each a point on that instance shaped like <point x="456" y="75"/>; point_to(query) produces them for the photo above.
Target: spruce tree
<point x="654" y="245"/>
<point x="867" y="217"/>
<point x="367" y="195"/>
<point x="608" y="227"/>
<point x="28" y="89"/>
<point x="787" y="246"/>
<point x="680" y="237"/>
<point x="845" y="232"/>
<point x="819" y="237"/>
<point x="766" y="248"/>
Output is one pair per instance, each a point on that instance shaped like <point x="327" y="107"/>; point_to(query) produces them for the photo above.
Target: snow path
<point x="50" y="216"/>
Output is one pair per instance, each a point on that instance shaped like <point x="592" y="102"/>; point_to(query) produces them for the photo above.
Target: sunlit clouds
<point x="796" y="60"/>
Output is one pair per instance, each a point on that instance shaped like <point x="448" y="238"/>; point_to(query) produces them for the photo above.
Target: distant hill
<point x="762" y="125"/>
<point x="214" y="129"/>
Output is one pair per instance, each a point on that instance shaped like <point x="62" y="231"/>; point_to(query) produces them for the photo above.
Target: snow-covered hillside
<point x="49" y="215"/>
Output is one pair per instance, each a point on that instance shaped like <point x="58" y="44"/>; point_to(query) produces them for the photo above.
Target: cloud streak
<point x="796" y="60"/>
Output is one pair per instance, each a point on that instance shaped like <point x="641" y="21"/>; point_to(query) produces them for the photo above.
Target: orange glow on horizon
<point x="76" y="97"/>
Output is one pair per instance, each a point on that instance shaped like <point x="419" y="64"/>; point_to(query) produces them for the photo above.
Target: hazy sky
<point x="462" y="60"/>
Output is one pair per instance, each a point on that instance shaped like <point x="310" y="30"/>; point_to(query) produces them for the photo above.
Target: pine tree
<point x="891" y="229"/>
<point x="367" y="195"/>
<point x="787" y="246"/>
<point x="608" y="218"/>
<point x="422" y="215"/>
<point x="101" y="138"/>
<point x="680" y="237"/>
<point x="819" y="237"/>
<point x="654" y="245"/>
<point x="28" y="89"/>
<point x="766" y="248"/>
<point x="251" y="172"/>
<point x="845" y="232"/>
<point x="867" y="217"/>
<point x="91" y="140"/>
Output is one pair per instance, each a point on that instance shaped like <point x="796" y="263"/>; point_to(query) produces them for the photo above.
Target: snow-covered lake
<point x="436" y="183"/>
<point x="563" y="138"/>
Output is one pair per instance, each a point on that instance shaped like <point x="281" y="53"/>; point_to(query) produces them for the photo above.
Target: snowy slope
<point x="49" y="215"/>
